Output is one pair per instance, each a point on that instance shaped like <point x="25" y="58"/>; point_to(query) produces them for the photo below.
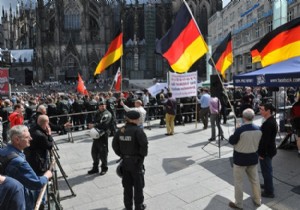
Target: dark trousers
<point x="133" y="183"/>
<point x="5" y="128"/>
<point x="267" y="173"/>
<point x="100" y="152"/>
<point x="204" y="116"/>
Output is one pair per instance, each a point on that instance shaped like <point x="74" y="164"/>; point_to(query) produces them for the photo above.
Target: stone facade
<point x="71" y="36"/>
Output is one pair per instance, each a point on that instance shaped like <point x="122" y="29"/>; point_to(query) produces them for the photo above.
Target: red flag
<point x="118" y="80"/>
<point x="81" y="87"/>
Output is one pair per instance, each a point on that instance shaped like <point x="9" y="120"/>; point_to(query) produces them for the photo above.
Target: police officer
<point x="78" y="107"/>
<point x="63" y="108"/>
<point x="100" y="146"/>
<point x="131" y="144"/>
<point x="91" y="106"/>
<point x="111" y="107"/>
<point x="30" y="109"/>
<point x="5" y="111"/>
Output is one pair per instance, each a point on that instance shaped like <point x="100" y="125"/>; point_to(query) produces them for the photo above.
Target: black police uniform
<point x="110" y="105"/>
<point x="4" y="113"/>
<point x="63" y="108"/>
<point x="78" y="107"/>
<point x="52" y="111"/>
<point x="131" y="144"/>
<point x="100" y="146"/>
<point x="91" y="106"/>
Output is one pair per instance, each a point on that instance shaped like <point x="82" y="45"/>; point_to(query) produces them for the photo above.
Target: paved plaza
<point x="180" y="173"/>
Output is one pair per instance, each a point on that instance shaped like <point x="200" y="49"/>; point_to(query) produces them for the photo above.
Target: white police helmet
<point x="94" y="133"/>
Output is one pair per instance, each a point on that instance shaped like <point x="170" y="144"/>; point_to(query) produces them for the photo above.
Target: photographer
<point x="102" y="122"/>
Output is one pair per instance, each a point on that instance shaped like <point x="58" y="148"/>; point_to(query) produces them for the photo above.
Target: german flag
<point x="280" y="44"/>
<point x="222" y="56"/>
<point x="255" y="56"/>
<point x="183" y="44"/>
<point x="114" y="53"/>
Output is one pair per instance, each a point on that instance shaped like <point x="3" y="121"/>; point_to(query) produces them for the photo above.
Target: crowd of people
<point x="28" y="122"/>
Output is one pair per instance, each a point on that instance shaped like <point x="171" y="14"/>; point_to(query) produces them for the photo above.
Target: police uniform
<point x="100" y="146"/>
<point x="110" y="105"/>
<point x="4" y="113"/>
<point x="78" y="119"/>
<point x="131" y="144"/>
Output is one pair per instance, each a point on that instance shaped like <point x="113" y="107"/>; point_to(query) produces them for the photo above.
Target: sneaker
<point x="233" y="205"/>
<point x="93" y="171"/>
<point x="267" y="195"/>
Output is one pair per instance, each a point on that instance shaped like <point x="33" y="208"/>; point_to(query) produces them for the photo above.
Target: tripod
<point x="55" y="155"/>
<point x="215" y="120"/>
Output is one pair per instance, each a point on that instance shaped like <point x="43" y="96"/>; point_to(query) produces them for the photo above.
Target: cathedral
<point x="67" y="37"/>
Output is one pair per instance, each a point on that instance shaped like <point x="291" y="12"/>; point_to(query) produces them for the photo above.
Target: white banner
<point x="183" y="85"/>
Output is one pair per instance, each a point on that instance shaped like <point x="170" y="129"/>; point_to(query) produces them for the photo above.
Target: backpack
<point x="4" y="161"/>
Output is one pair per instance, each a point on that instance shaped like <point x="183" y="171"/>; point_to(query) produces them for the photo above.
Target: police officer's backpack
<point x="4" y="161"/>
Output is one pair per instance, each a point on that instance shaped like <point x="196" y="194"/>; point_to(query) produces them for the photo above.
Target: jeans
<point x="267" y="173"/>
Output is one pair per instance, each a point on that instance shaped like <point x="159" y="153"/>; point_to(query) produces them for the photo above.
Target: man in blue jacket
<point x="19" y="169"/>
<point x="245" y="141"/>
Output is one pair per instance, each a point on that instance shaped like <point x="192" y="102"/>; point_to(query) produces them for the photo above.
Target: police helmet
<point x="119" y="169"/>
<point x="94" y="133"/>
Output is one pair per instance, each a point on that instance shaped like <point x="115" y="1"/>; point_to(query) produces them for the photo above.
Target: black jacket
<point x="130" y="140"/>
<point x="38" y="152"/>
<point x="267" y="145"/>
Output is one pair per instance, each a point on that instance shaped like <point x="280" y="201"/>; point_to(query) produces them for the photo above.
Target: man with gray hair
<point x="18" y="168"/>
<point x="139" y="108"/>
<point x="245" y="141"/>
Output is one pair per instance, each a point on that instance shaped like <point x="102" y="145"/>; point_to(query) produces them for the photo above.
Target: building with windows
<point x="248" y="21"/>
<point x="71" y="36"/>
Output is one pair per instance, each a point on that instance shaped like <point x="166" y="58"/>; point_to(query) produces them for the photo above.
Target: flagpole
<point x="121" y="61"/>
<point x="188" y="7"/>
<point x="112" y="84"/>
<point x="223" y="88"/>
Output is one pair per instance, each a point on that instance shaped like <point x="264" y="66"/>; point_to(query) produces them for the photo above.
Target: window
<point x="257" y="32"/>
<point x="270" y="26"/>
<point x="232" y="16"/>
<point x="290" y="15"/>
<point x="72" y="19"/>
<point x="260" y="12"/>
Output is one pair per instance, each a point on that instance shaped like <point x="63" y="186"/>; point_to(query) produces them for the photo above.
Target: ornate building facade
<point x="71" y="36"/>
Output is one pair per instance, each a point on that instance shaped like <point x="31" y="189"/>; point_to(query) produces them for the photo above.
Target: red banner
<point x="4" y="82"/>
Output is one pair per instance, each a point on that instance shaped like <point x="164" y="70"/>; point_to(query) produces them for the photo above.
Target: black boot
<point x="93" y="171"/>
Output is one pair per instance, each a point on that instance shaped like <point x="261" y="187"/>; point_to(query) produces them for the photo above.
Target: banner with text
<point x="183" y="85"/>
<point x="4" y="82"/>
